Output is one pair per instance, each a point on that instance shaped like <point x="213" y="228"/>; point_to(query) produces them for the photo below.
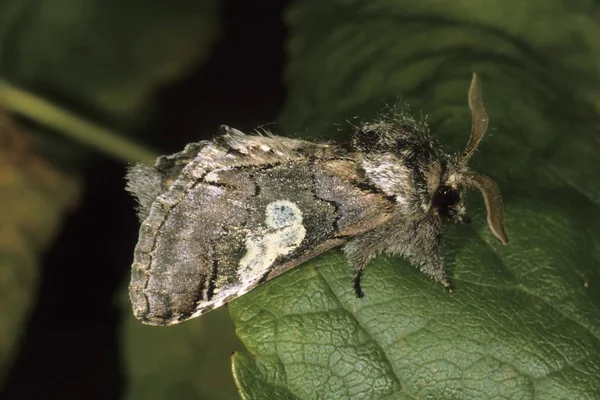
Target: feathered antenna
<point x="488" y="188"/>
<point x="479" y="118"/>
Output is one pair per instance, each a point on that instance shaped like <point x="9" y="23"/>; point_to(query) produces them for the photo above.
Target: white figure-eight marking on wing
<point x="283" y="234"/>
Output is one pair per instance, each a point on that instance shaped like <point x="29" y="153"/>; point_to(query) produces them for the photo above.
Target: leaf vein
<point x="379" y="346"/>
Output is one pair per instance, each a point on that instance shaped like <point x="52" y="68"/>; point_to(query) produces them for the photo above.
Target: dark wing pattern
<point x="226" y="215"/>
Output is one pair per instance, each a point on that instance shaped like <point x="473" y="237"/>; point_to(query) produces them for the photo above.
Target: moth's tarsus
<point x="222" y="216"/>
<point x="357" y="288"/>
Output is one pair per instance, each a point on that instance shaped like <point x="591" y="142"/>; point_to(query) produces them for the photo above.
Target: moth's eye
<point x="446" y="197"/>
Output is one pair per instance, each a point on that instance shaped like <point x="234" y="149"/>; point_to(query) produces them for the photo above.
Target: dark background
<point x="71" y="347"/>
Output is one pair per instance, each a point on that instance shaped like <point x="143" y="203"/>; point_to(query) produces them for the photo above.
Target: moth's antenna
<point x="493" y="203"/>
<point x="488" y="188"/>
<point x="479" y="117"/>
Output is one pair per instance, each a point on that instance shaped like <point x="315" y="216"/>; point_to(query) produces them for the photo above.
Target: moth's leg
<point x="356" y="282"/>
<point x="359" y="253"/>
<point x="421" y="244"/>
<point x="428" y="260"/>
<point x="434" y="267"/>
<point x="426" y="252"/>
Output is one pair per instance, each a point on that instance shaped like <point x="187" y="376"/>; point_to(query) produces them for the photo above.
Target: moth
<point x="223" y="216"/>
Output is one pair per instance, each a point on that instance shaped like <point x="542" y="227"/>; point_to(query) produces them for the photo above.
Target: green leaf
<point x="73" y="66"/>
<point x="110" y="56"/>
<point x="186" y="361"/>
<point x="35" y="196"/>
<point x="525" y="319"/>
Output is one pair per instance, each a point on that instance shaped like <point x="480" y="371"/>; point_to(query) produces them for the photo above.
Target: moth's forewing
<point x="246" y="209"/>
<point x="221" y="217"/>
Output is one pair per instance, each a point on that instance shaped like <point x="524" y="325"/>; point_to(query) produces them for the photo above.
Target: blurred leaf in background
<point x="187" y="361"/>
<point x="525" y="319"/>
<point x="34" y="197"/>
<point x="111" y="56"/>
<point x="104" y="61"/>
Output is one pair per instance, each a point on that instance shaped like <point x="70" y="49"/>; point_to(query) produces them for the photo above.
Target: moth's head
<point x="401" y="159"/>
<point x="447" y="194"/>
<point x="455" y="177"/>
